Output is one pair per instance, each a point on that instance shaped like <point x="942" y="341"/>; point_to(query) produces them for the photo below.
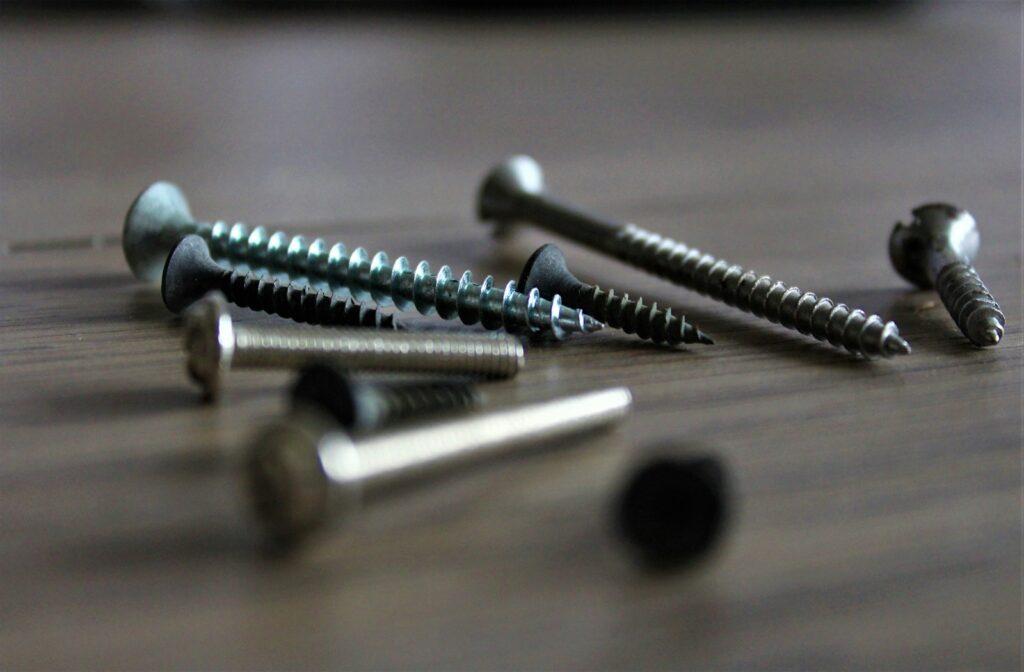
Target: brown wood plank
<point x="878" y="504"/>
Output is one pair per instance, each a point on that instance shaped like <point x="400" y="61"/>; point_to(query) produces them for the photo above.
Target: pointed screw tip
<point x="897" y="346"/>
<point x="992" y="335"/>
<point x="704" y="338"/>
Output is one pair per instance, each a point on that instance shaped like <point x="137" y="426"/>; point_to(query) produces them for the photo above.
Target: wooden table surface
<point x="877" y="504"/>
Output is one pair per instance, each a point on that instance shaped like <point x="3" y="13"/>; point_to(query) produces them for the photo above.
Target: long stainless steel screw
<point x="215" y="345"/>
<point x="936" y="249"/>
<point x="190" y="273"/>
<point x="514" y="192"/>
<point x="160" y="217"/>
<point x="300" y="477"/>
<point x="547" y="270"/>
<point x="361" y="406"/>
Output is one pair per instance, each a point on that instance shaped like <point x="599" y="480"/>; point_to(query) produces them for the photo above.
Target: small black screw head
<point x="328" y="389"/>
<point x="190" y="272"/>
<point x="938" y="228"/>
<point x="546" y="270"/>
<point x="502" y="186"/>
<point x="157" y="219"/>
<point x="673" y="508"/>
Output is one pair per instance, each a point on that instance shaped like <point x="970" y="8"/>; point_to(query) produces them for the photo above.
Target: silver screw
<point x="215" y="345"/>
<point x="301" y="476"/>
<point x="514" y="192"/>
<point x="160" y="217"/>
<point x="936" y="250"/>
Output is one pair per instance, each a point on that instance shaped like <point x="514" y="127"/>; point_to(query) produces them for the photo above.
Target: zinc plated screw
<point x="547" y="271"/>
<point x="300" y="477"/>
<point x="191" y="273"/>
<point x="514" y="192"/>
<point x="215" y="345"/>
<point x="361" y="406"/>
<point x="936" y="249"/>
<point x="160" y="217"/>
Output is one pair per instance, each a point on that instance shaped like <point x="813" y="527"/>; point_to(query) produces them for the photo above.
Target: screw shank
<point x="391" y="459"/>
<point x="565" y="219"/>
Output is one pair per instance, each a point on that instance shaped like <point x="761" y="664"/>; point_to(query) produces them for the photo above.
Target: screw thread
<point x="407" y="400"/>
<point x="971" y="305"/>
<point x="295" y="347"/>
<point x="491" y="306"/>
<point x="822" y="318"/>
<point x="634" y="317"/>
<point x="301" y="303"/>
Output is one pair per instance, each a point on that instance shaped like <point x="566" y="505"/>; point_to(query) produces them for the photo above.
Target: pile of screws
<point x="348" y="438"/>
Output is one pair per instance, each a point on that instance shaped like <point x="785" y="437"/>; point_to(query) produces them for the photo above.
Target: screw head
<point x="547" y="271"/>
<point x="328" y="389"/>
<point x="209" y="342"/>
<point x="498" y="196"/>
<point x="157" y="219"/>
<point x="935" y="227"/>
<point x="189" y="273"/>
<point x="290" y="471"/>
<point x="673" y="508"/>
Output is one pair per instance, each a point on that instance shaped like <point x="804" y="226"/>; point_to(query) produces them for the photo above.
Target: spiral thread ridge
<point x="822" y="318"/>
<point x="359" y="349"/>
<point x="402" y="401"/>
<point x="635" y="317"/>
<point x="400" y="284"/>
<point x="301" y="303"/>
<point x="971" y="305"/>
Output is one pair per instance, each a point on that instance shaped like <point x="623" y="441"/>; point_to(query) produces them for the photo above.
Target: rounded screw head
<point x="673" y="508"/>
<point x="935" y="227"/>
<point x="287" y="471"/>
<point x="153" y="224"/>
<point x="547" y="271"/>
<point x="189" y="273"/>
<point x="517" y="175"/>
<point x="209" y="342"/>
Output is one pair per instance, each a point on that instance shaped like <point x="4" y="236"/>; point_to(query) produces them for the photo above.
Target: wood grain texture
<point x="878" y="505"/>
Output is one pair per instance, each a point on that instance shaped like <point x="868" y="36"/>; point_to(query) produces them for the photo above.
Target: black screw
<point x="673" y="508"/>
<point x="190" y="272"/>
<point x="363" y="406"/>
<point x="936" y="249"/>
<point x="547" y="271"/>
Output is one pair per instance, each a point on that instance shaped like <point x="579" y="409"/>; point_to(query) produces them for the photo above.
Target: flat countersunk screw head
<point x="937" y="249"/>
<point x="546" y="270"/>
<point x="190" y="273"/>
<point x="159" y="218"/>
<point x="513" y="192"/>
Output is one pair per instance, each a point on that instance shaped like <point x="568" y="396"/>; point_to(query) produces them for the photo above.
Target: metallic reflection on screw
<point x="300" y="476"/>
<point x="214" y="345"/>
